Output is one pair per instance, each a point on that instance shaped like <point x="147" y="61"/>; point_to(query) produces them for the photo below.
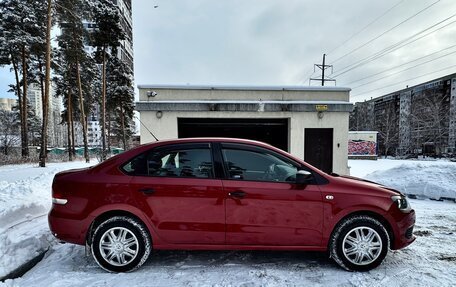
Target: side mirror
<point x="303" y="177"/>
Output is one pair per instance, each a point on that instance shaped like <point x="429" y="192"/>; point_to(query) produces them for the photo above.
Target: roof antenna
<point x="146" y="128"/>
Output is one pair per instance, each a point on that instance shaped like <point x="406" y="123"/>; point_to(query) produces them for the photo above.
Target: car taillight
<point x="58" y="198"/>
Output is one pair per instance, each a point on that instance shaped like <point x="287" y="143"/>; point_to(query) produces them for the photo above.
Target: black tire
<point x="126" y="244"/>
<point x="361" y="254"/>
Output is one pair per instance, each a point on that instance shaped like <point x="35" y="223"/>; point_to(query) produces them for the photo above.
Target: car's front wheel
<point x="359" y="243"/>
<point x="121" y="244"/>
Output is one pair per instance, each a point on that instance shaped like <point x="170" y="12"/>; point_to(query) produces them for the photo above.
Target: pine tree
<point x="22" y="26"/>
<point x="106" y="38"/>
<point x="120" y="99"/>
<point x="72" y="54"/>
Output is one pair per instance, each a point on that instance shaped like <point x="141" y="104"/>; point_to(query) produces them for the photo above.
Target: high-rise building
<point x="124" y="53"/>
<point x="56" y="130"/>
<point x="7" y="104"/>
<point x="413" y="121"/>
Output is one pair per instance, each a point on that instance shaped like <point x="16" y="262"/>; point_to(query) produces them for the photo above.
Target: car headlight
<point x="402" y="203"/>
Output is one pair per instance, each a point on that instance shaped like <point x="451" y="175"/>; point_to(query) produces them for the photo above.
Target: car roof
<point x="207" y="139"/>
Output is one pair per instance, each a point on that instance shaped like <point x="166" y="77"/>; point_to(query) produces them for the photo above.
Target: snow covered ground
<point x="24" y="202"/>
<point x="430" y="261"/>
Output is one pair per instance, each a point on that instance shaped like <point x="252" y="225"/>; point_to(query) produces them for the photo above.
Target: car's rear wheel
<point x="121" y="244"/>
<point x="359" y="243"/>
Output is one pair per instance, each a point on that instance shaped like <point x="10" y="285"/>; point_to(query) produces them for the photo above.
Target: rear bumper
<point x="404" y="234"/>
<point x="67" y="229"/>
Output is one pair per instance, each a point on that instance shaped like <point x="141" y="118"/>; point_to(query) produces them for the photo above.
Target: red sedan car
<point x="218" y="193"/>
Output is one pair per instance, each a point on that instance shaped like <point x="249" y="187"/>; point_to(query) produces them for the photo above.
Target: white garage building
<point x="309" y="122"/>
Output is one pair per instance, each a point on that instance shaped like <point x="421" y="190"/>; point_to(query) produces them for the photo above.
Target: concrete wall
<point x="166" y="128"/>
<point x="270" y="94"/>
<point x="363" y="135"/>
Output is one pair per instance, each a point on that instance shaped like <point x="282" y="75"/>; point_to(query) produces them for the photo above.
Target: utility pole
<point x="323" y="67"/>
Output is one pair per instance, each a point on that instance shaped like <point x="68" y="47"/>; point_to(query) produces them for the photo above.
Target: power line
<point x="398" y="72"/>
<point x="386" y="51"/>
<point x="411" y="79"/>
<point x="394" y="47"/>
<point x="387" y="31"/>
<point x="367" y="26"/>
<point x="401" y="65"/>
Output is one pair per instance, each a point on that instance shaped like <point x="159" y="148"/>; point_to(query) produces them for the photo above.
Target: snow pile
<point x="435" y="181"/>
<point x="25" y="199"/>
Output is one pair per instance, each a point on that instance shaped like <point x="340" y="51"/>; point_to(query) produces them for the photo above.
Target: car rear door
<point x="176" y="186"/>
<point x="264" y="205"/>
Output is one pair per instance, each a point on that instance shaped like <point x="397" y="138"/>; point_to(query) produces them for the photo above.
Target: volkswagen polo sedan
<point x="224" y="194"/>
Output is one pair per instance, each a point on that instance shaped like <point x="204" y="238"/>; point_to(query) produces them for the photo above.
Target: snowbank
<point x="419" y="179"/>
<point x="25" y="199"/>
<point x="429" y="261"/>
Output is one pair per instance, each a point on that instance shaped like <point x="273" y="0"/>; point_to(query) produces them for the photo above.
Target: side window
<point x="258" y="166"/>
<point x="173" y="163"/>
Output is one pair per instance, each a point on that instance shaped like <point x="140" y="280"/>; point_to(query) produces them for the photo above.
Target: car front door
<point x="176" y="186"/>
<point x="264" y="205"/>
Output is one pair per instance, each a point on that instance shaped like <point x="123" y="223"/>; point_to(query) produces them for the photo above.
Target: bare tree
<point x="9" y="130"/>
<point x="388" y="128"/>
<point x="429" y="120"/>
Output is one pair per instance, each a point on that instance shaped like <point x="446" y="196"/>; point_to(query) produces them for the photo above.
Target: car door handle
<point x="237" y="194"/>
<point x="147" y="190"/>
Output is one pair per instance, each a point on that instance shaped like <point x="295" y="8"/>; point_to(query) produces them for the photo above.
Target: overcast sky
<point x="276" y="42"/>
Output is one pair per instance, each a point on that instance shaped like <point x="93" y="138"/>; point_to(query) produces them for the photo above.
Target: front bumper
<point x="404" y="231"/>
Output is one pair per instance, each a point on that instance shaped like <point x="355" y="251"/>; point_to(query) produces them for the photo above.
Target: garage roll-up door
<point x="271" y="131"/>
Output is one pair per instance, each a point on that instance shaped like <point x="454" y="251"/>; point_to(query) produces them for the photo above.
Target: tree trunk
<point x="43" y="153"/>
<point x="83" y="117"/>
<point x="5" y="144"/>
<point x="103" y="108"/>
<point x="44" y="109"/>
<point x="24" y="111"/>
<point x="108" y="139"/>
<point x="69" y="117"/>
<point x="73" y="148"/>
<point x="122" y="126"/>
<point x="20" y="100"/>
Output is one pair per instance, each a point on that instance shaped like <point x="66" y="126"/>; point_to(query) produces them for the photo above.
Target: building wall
<point x="166" y="126"/>
<point x="425" y="114"/>
<point x="124" y="53"/>
<point x="7" y="104"/>
<point x="94" y="133"/>
<point x="203" y="93"/>
<point x="362" y="144"/>
<point x="404" y="122"/>
<point x="452" y="119"/>
<point x="56" y="131"/>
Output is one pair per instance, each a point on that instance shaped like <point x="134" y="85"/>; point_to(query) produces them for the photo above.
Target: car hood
<point x="365" y="184"/>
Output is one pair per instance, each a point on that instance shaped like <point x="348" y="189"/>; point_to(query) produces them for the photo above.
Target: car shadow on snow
<point x="197" y="259"/>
